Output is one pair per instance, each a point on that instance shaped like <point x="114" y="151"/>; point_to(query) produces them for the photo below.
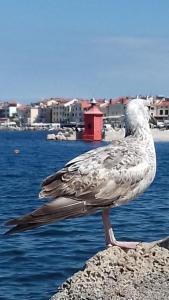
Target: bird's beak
<point x="153" y="120"/>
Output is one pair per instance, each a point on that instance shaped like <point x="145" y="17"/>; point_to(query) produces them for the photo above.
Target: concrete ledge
<point x="115" y="274"/>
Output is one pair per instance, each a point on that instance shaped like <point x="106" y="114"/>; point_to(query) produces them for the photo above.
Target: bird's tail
<point x="59" y="209"/>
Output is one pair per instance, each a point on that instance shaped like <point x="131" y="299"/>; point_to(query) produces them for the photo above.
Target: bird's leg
<point x="109" y="235"/>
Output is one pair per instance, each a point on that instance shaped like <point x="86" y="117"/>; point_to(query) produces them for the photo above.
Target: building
<point x="59" y="113"/>
<point x="4" y="112"/>
<point x="40" y="115"/>
<point x="77" y="111"/>
<point x="93" y="123"/>
<point x="67" y="112"/>
<point x="12" y="109"/>
<point x="114" y="111"/>
<point x="160" y="110"/>
<point x="8" y="109"/>
<point x="23" y="114"/>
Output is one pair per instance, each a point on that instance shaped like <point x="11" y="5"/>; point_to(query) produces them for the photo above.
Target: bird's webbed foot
<point x="125" y="245"/>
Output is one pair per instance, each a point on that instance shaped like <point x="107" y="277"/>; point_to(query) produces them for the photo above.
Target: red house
<point x="93" y="123"/>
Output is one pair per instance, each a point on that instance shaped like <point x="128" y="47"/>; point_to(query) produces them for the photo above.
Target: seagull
<point x="100" y="179"/>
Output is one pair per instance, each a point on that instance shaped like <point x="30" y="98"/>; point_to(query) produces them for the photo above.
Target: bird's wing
<point x="99" y="178"/>
<point x="104" y="173"/>
<point x="77" y="178"/>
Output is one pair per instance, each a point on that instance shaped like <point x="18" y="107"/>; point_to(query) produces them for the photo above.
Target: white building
<point x="40" y="115"/>
<point x="114" y="111"/>
<point x="76" y="114"/>
<point x="160" y="110"/>
<point x="65" y="112"/>
<point x="58" y="113"/>
<point x="12" y="110"/>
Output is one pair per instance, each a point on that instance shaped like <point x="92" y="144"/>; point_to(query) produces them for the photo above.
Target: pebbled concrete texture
<point x="115" y="274"/>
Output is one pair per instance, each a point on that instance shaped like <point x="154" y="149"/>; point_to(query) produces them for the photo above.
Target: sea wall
<point x="115" y="274"/>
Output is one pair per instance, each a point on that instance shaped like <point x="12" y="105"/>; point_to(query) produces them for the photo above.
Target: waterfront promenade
<point x="112" y="134"/>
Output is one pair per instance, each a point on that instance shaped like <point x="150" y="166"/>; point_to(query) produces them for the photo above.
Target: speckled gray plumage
<point x="107" y="176"/>
<point x="104" y="176"/>
<point x="112" y="174"/>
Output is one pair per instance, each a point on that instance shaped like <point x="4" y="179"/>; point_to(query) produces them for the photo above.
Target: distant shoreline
<point x="159" y="135"/>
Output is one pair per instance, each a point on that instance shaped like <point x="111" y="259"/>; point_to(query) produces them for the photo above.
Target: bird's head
<point x="138" y="115"/>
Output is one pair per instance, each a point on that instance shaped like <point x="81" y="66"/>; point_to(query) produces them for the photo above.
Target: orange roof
<point x="162" y="104"/>
<point x="85" y="104"/>
<point x="94" y="110"/>
<point x="120" y="100"/>
<point x="100" y="100"/>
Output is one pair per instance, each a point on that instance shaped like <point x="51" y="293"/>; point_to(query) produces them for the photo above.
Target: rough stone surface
<point x="117" y="274"/>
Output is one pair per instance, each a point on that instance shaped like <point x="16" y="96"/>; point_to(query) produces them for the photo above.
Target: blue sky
<point x="83" y="48"/>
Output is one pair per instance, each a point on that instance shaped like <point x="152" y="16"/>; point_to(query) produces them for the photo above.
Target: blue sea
<point x="34" y="263"/>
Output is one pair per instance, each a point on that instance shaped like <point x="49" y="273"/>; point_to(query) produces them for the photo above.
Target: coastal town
<point x="58" y="112"/>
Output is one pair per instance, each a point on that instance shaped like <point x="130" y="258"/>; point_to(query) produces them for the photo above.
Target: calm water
<point x="34" y="263"/>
